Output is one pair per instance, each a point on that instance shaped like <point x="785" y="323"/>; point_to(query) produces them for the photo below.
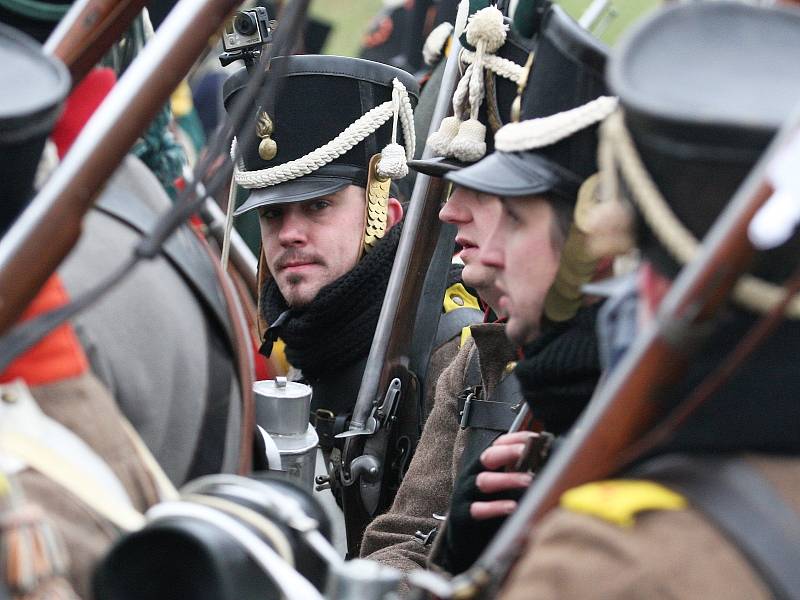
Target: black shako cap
<point x="515" y="49"/>
<point x="568" y="71"/>
<point x="704" y="88"/>
<point x="32" y="89"/>
<point x="319" y="97"/>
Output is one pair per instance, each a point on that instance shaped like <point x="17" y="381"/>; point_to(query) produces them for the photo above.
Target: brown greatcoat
<point x="665" y="554"/>
<point x="84" y="405"/>
<point x="428" y="484"/>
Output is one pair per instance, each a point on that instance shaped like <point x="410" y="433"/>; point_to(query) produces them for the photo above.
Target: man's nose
<point x="293" y="230"/>
<point x="454" y="210"/>
<point x="492" y="251"/>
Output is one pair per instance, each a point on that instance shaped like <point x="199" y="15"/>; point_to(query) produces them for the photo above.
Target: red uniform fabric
<point x="80" y="105"/>
<point x="59" y="355"/>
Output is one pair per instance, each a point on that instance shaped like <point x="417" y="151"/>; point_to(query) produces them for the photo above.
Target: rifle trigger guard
<point x="364" y="467"/>
<point x="381" y="414"/>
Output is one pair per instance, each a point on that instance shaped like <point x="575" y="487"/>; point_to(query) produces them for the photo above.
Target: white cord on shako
<point x="393" y="162"/>
<point x="466" y="139"/>
<point x="393" y="158"/>
<point x="544" y="131"/>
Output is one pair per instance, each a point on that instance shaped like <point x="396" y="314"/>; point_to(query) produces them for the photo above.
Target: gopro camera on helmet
<point x="244" y="35"/>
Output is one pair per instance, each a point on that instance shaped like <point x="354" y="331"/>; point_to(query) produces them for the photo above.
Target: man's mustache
<point x="292" y="256"/>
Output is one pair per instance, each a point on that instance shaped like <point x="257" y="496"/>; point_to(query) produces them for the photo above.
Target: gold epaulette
<point x="618" y="501"/>
<point x="466" y="333"/>
<point x="456" y="296"/>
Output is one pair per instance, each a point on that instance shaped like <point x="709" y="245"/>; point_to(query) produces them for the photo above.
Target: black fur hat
<point x="567" y="74"/>
<point x="319" y="97"/>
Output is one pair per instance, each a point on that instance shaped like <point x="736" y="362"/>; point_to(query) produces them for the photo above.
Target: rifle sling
<point x="745" y="507"/>
<point x="451" y="323"/>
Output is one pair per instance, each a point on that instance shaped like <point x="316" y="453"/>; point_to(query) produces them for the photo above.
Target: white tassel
<point x="487" y="26"/>
<point x="435" y="43"/>
<point x="439" y="141"/>
<point x="393" y="162"/>
<point x="470" y="143"/>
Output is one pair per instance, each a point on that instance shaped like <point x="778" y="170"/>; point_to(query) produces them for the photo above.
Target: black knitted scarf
<point x="335" y="329"/>
<point x="560" y="370"/>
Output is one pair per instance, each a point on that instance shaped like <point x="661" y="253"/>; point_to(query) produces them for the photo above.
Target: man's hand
<point x="505" y="453"/>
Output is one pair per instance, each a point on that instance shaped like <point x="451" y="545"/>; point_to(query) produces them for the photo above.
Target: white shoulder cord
<point x="398" y="107"/>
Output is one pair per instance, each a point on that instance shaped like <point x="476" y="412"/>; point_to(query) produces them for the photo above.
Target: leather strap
<point x="328" y="426"/>
<point x="240" y="340"/>
<point x="492" y="417"/>
<point x="472" y="383"/>
<point x="451" y="323"/>
<point x="498" y="413"/>
<point x="745" y="507"/>
<point x="179" y="249"/>
<point x="209" y="452"/>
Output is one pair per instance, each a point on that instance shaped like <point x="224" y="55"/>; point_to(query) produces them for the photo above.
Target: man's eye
<point x="270" y="213"/>
<point x="318" y="205"/>
<point x="513" y="217"/>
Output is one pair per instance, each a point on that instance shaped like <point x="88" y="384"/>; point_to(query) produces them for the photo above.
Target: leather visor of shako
<point x="703" y="89"/>
<point x="32" y="89"/>
<point x="552" y="150"/>
<point x="336" y="121"/>
<point x="458" y="142"/>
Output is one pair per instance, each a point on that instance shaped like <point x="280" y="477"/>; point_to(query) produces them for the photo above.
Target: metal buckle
<point x="466" y="411"/>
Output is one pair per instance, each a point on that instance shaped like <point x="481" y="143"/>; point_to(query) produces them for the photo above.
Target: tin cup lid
<point x="282" y="406"/>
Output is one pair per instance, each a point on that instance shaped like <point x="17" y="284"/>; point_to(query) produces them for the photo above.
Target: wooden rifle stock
<point x="87" y="32"/>
<point x="364" y="457"/>
<point x="49" y="227"/>
<point x="626" y="406"/>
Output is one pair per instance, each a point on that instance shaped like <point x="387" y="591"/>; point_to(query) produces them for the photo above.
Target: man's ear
<point x="395" y="210"/>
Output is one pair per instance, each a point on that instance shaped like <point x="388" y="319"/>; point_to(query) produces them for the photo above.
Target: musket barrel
<point x="88" y="30"/>
<point x="51" y="224"/>
<point x="415" y="220"/>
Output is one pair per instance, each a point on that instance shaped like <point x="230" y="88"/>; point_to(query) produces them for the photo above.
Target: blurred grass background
<point x="350" y="19"/>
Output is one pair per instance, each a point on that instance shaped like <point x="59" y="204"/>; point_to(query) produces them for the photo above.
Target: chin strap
<point x="622" y="164"/>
